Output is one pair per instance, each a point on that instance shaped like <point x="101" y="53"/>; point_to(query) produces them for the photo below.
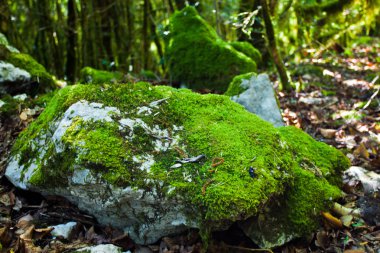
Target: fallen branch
<point x="373" y="95"/>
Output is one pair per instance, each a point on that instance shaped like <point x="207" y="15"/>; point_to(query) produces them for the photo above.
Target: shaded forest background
<point x="130" y="36"/>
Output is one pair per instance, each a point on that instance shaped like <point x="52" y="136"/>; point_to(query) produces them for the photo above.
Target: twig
<point x="373" y="95"/>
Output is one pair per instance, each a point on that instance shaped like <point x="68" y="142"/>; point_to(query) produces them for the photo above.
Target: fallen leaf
<point x="354" y="251"/>
<point x="347" y="220"/>
<point x="23" y="116"/>
<point x="328" y="133"/>
<point x="322" y="240"/>
<point x="361" y="151"/>
<point x="5" y="235"/>
<point x="25" y="221"/>
<point x="333" y="221"/>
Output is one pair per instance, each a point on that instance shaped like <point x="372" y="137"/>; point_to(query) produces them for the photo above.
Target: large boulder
<point x="257" y="95"/>
<point x="21" y="73"/>
<point x="199" y="58"/>
<point x="154" y="160"/>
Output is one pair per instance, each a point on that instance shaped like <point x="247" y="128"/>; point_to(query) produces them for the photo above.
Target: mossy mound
<point x="36" y="70"/>
<point x="40" y="80"/>
<point x="202" y="160"/>
<point x="95" y="76"/>
<point x="247" y="49"/>
<point x="5" y="43"/>
<point x="198" y="57"/>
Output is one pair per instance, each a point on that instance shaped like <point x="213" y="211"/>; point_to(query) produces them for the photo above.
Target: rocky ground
<point x="336" y="102"/>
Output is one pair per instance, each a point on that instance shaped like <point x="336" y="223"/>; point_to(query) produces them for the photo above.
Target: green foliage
<point x="36" y="70"/>
<point x="247" y="49"/>
<point x="198" y="57"/>
<point x="235" y="87"/>
<point x="90" y="75"/>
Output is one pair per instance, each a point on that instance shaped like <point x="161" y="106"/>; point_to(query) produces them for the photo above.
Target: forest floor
<point x="337" y="102"/>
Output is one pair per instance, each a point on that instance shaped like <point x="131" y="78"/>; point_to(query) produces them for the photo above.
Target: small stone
<point x="63" y="230"/>
<point x="21" y="97"/>
<point x="102" y="248"/>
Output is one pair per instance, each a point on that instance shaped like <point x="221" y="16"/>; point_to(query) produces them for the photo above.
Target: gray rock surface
<point x="259" y="98"/>
<point x="9" y="74"/>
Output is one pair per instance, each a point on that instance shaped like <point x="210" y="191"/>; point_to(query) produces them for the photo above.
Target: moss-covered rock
<point x="247" y="49"/>
<point x="198" y="57"/>
<point x="154" y="160"/>
<point x="95" y="76"/>
<point x="5" y="43"/>
<point x="21" y="73"/>
<point x="36" y="70"/>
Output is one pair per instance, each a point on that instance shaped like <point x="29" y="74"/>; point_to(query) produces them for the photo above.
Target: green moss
<point x="5" y="45"/>
<point x="36" y="70"/>
<point x="198" y="57"/>
<point x="9" y="105"/>
<point x="90" y="75"/>
<point x="235" y="88"/>
<point x="148" y="75"/>
<point x="247" y="49"/>
<point x="286" y="161"/>
<point x="3" y="40"/>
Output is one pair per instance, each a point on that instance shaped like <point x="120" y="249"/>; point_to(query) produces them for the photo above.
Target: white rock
<point x="21" y="97"/>
<point x="63" y="230"/>
<point x="102" y="248"/>
<point x="10" y="73"/>
<point x="369" y="179"/>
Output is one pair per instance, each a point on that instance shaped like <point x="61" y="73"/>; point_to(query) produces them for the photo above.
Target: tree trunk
<point x="273" y="48"/>
<point x="145" y="38"/>
<point x="71" y="41"/>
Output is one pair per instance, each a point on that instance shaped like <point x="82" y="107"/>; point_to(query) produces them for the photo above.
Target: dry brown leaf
<point x="333" y="221"/>
<point x="5" y="235"/>
<point x="28" y="234"/>
<point x="328" y="133"/>
<point x="354" y="251"/>
<point x="322" y="240"/>
<point x="23" y="116"/>
<point x="25" y="222"/>
<point x="347" y="220"/>
<point x="40" y="233"/>
<point x="361" y="151"/>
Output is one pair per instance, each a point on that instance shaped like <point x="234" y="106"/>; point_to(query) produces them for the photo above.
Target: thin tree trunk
<point x="171" y="6"/>
<point x="156" y="38"/>
<point x="145" y="28"/>
<point x="131" y="31"/>
<point x="273" y="48"/>
<point x="71" y="41"/>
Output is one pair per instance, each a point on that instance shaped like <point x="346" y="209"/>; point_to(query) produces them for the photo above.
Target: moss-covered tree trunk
<point x="285" y="84"/>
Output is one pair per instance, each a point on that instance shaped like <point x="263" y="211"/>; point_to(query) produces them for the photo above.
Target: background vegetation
<point x="129" y="36"/>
